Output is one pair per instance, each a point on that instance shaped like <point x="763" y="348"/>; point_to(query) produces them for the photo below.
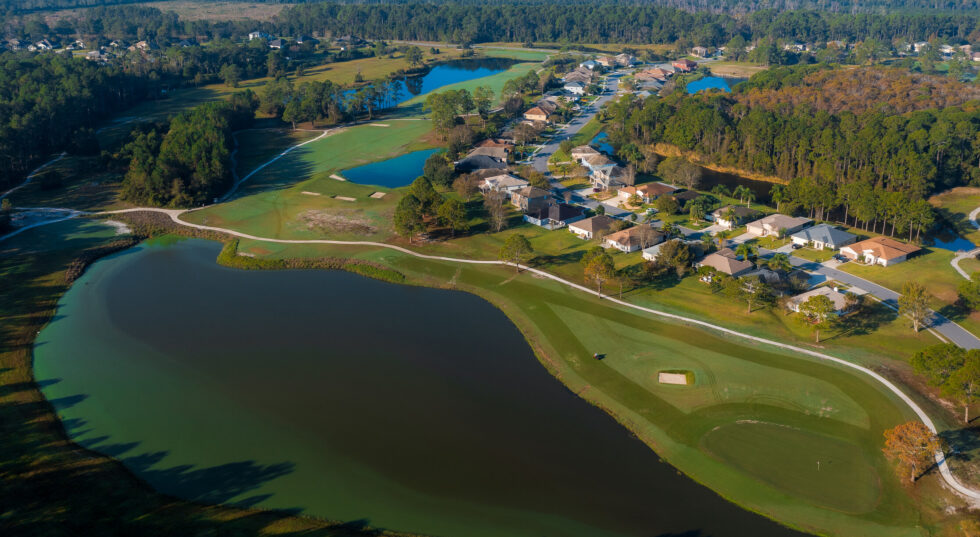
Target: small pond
<point x="334" y="395"/>
<point x="444" y="74"/>
<point x="713" y="82"/>
<point x="391" y="173"/>
<point x="948" y="239"/>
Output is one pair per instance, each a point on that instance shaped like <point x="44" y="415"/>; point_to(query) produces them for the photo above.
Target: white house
<point x="838" y="299"/>
<point x="576" y="88"/>
<point x="505" y="183"/>
<point x="774" y="224"/>
<point x="823" y="236"/>
<point x="589" y="64"/>
<point x="258" y="35"/>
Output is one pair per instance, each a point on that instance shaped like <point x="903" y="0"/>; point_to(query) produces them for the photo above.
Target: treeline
<point x="188" y="162"/>
<point x="608" y="22"/>
<point x="49" y="103"/>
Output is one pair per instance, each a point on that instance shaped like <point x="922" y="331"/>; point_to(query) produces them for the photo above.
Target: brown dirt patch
<point x="338" y="221"/>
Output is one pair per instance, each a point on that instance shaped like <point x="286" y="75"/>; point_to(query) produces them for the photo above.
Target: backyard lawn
<point x="956" y="206"/>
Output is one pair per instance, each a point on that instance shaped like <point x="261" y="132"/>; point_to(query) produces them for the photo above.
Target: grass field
<point x="956" y="205"/>
<point x="736" y="69"/>
<point x="85" y="186"/>
<point x="194" y="10"/>
<point x="256" y="146"/>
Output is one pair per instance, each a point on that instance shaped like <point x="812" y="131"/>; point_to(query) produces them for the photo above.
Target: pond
<point x="444" y="74"/>
<point x="391" y="173"/>
<point x="948" y="239"/>
<point x="330" y="394"/>
<point x="713" y="82"/>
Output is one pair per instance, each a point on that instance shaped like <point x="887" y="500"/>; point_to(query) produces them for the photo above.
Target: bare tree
<point x="493" y="202"/>
<point x="629" y="175"/>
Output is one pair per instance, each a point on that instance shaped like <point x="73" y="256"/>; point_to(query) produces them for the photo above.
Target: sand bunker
<point x="337" y="177"/>
<point x="379" y="195"/>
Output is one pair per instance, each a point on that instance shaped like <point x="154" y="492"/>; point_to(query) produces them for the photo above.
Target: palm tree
<point x="778" y="195"/>
<point x="721" y="236"/>
<point x="749" y="198"/>
<point x="780" y="263"/>
<point x="740" y="192"/>
<point x="746" y="250"/>
<point x="730" y="217"/>
<point x="670" y="229"/>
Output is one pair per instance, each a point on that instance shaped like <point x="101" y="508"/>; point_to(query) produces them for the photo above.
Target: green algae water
<point x="334" y="395"/>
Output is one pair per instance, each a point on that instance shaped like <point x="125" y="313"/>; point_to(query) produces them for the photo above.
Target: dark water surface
<point x="391" y="173"/>
<point x="351" y="399"/>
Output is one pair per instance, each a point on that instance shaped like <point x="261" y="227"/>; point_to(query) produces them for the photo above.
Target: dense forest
<point x="188" y="162"/>
<point x="470" y="22"/>
<point x="609" y="22"/>
<point x="822" y="87"/>
<point x="49" y="103"/>
<point x="828" y="158"/>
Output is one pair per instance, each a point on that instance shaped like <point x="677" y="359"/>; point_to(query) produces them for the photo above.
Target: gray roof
<point x="825" y="233"/>
<point x="479" y="162"/>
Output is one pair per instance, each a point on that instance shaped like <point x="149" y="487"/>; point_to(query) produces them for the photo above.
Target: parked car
<point x="796" y="246"/>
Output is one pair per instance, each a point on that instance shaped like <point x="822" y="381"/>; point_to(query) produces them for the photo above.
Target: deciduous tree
<point x="516" y="249"/>
<point x="913" y="446"/>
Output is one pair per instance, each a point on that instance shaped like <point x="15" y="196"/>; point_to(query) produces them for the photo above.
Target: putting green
<point x="826" y="470"/>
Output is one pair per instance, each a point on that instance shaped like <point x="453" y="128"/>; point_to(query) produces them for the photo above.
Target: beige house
<point x="505" y="183"/>
<point x="530" y="198"/>
<point x="838" y="299"/>
<point x="633" y="239"/>
<point x="776" y="223"/>
<point x="590" y="228"/>
<point x="536" y="114"/>
<point x="882" y="251"/>
<point x="740" y="214"/>
<point x="726" y="262"/>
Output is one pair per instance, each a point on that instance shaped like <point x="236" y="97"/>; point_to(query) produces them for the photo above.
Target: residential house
<point x="554" y="215"/>
<point x="684" y="65"/>
<point x="700" y="52"/>
<point x="505" y="183"/>
<point x="277" y="43"/>
<point x="604" y="172"/>
<point x="306" y="39"/>
<point x="184" y="43"/>
<point x="576" y="88"/>
<point x="590" y="228"/>
<point x="650" y="74"/>
<point x="606" y="61"/>
<point x="975" y="56"/>
<point x="633" y="238"/>
<point x="920" y="46"/>
<point x="498" y="153"/>
<point x="95" y="56"/>
<point x="258" y="35"/>
<point x="589" y="64"/>
<point x="43" y="44"/>
<point x="145" y="46"/>
<point x="536" y="114"/>
<point x="660" y="73"/>
<point x="625" y="60"/>
<point x="685" y="196"/>
<point x="530" y="199"/>
<point x="796" y="47"/>
<point x="652" y="253"/>
<point x="17" y="44"/>
<point x="882" y="251"/>
<point x="583" y="152"/>
<point x="578" y="77"/>
<point x="479" y="162"/>
<point x="726" y="262"/>
<point x="833" y="293"/>
<point x="774" y="224"/>
<point x="823" y="236"/>
<point x="740" y="215"/>
<point x="496" y="142"/>
<point x="651" y="191"/>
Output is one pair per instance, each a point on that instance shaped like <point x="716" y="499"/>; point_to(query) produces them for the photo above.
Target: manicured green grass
<point x="587" y="132"/>
<point x="529" y="55"/>
<point x="813" y="254"/>
<point x="256" y="146"/>
<point x="956" y="206"/>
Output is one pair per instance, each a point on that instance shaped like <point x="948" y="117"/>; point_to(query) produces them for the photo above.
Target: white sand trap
<point x="379" y="195"/>
<point x="337" y="177"/>
<point x="379" y="124"/>
<point x="308" y="193"/>
<point x="672" y="378"/>
<point x="344" y="198"/>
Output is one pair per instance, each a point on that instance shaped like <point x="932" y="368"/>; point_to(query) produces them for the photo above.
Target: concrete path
<point x="32" y="174"/>
<point x="972" y="253"/>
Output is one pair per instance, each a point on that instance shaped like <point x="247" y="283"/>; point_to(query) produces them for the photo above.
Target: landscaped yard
<point x="956" y="206"/>
<point x="814" y="254"/>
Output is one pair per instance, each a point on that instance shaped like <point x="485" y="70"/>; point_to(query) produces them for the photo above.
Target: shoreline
<point x="561" y="371"/>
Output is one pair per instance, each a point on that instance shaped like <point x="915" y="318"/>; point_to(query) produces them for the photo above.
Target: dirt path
<point x="32" y="174"/>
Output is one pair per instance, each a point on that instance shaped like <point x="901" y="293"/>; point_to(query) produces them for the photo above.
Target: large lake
<point x="451" y="72"/>
<point x="339" y="396"/>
